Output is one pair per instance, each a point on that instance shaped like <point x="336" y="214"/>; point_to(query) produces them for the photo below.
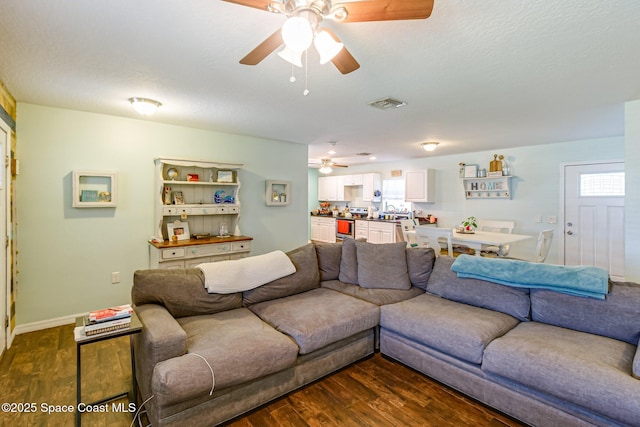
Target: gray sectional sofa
<point x="546" y="358"/>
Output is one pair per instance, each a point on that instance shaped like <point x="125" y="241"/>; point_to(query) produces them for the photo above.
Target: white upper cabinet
<point x="332" y="188"/>
<point x="371" y="182"/>
<point x="420" y="186"/>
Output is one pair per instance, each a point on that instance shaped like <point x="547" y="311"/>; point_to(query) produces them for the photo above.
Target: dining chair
<point x="408" y="227"/>
<point x="428" y="236"/>
<point x="543" y="246"/>
<point x="496" y="226"/>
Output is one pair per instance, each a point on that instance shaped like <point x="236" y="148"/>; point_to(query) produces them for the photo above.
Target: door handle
<point x="570" y="233"/>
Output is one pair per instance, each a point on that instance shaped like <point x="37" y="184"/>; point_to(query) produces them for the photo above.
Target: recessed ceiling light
<point x="331" y="151"/>
<point x="372" y="157"/>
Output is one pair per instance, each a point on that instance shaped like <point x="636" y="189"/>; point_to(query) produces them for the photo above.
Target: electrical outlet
<point x="538" y="219"/>
<point x="115" y="277"/>
<point x="552" y="219"/>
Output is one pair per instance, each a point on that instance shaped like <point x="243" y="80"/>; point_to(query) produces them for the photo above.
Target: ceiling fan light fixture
<point x="326" y="46"/>
<point x="145" y="106"/>
<point x="429" y="146"/>
<point x="325" y="169"/>
<point x="291" y="56"/>
<point x="297" y="33"/>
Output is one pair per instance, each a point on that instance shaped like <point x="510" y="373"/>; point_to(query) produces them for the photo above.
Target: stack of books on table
<point x="105" y="320"/>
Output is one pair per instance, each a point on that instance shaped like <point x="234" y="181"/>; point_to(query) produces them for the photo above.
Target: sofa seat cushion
<point x="588" y="370"/>
<point x="450" y="327"/>
<point x="374" y="296"/>
<point x="237" y="345"/>
<point x="318" y="317"/>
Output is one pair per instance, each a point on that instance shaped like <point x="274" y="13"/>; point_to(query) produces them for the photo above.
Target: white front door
<point x="594" y="216"/>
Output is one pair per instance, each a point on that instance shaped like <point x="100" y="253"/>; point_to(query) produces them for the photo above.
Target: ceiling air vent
<point x="387" y="103"/>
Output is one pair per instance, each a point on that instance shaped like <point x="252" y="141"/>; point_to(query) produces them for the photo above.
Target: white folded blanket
<point x="227" y="277"/>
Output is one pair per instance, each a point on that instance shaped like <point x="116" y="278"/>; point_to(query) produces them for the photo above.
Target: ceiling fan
<point x="304" y="17"/>
<point x="325" y="165"/>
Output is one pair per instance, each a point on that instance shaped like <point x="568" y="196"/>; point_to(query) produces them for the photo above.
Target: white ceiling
<point x="477" y="75"/>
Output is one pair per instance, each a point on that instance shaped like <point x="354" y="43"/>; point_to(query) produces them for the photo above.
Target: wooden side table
<point x="134" y="328"/>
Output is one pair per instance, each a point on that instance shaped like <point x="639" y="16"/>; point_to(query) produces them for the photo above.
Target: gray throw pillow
<point x="382" y="266"/>
<point x="419" y="265"/>
<point x="329" y="256"/>
<point x="349" y="262"/>
<point x="306" y="277"/>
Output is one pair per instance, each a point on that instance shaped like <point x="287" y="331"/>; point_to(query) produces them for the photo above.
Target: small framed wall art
<point x="278" y="193"/>
<point x="178" y="230"/>
<point x="94" y="189"/>
<point x="470" y="171"/>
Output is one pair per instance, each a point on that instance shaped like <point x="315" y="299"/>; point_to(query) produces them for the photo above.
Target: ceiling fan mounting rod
<point x="294" y="7"/>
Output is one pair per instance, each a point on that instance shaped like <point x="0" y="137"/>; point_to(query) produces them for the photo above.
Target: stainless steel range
<point x="345" y="227"/>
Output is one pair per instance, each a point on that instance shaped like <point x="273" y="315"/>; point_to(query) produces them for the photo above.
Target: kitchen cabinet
<point x="332" y="188"/>
<point x="323" y="229"/>
<point x="382" y="232"/>
<point x="376" y="231"/>
<point x="204" y="195"/>
<point x="371" y="182"/>
<point x="352" y="179"/>
<point x="327" y="188"/>
<point x="362" y="229"/>
<point x="419" y="186"/>
<point x="494" y="187"/>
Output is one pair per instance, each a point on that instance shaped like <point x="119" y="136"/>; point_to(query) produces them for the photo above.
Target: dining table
<point x="478" y="238"/>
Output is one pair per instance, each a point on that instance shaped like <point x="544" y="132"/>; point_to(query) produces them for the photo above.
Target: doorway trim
<point x="7" y="183"/>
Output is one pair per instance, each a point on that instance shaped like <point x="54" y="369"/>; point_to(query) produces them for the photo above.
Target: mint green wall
<point x="535" y="187"/>
<point x="66" y="255"/>
<point x="632" y="198"/>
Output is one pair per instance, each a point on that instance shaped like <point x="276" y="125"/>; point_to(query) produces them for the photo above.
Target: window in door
<point x="602" y="184"/>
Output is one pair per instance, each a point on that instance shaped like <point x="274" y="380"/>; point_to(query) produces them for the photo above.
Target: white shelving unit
<point x="204" y="195"/>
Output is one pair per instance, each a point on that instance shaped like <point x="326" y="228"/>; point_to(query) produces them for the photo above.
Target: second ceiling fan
<point x="301" y="28"/>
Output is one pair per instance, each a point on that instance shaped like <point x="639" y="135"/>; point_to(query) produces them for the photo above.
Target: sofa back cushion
<point x="329" y="257"/>
<point x="382" y="266"/>
<point x="306" y="277"/>
<point x="349" y="262"/>
<point x="420" y="261"/>
<point x="180" y="291"/>
<point x="617" y="316"/>
<point x="446" y="284"/>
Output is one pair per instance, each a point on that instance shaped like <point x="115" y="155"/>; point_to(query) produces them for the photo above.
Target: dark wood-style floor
<point x="40" y="368"/>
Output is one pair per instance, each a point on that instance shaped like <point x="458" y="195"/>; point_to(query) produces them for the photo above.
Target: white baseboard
<point x="46" y="324"/>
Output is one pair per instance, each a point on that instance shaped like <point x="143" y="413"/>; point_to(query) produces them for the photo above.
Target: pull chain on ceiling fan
<point x="304" y="17"/>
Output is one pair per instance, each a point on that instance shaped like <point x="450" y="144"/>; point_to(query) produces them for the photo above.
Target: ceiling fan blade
<point x="334" y="165"/>
<point x="263" y="49"/>
<point x="387" y="10"/>
<point x="258" y="4"/>
<point x="344" y="61"/>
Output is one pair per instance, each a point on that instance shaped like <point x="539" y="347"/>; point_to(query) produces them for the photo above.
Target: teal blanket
<point x="585" y="281"/>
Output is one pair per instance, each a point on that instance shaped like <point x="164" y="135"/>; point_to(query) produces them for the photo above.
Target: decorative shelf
<point x="94" y="189"/>
<point x="493" y="187"/>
